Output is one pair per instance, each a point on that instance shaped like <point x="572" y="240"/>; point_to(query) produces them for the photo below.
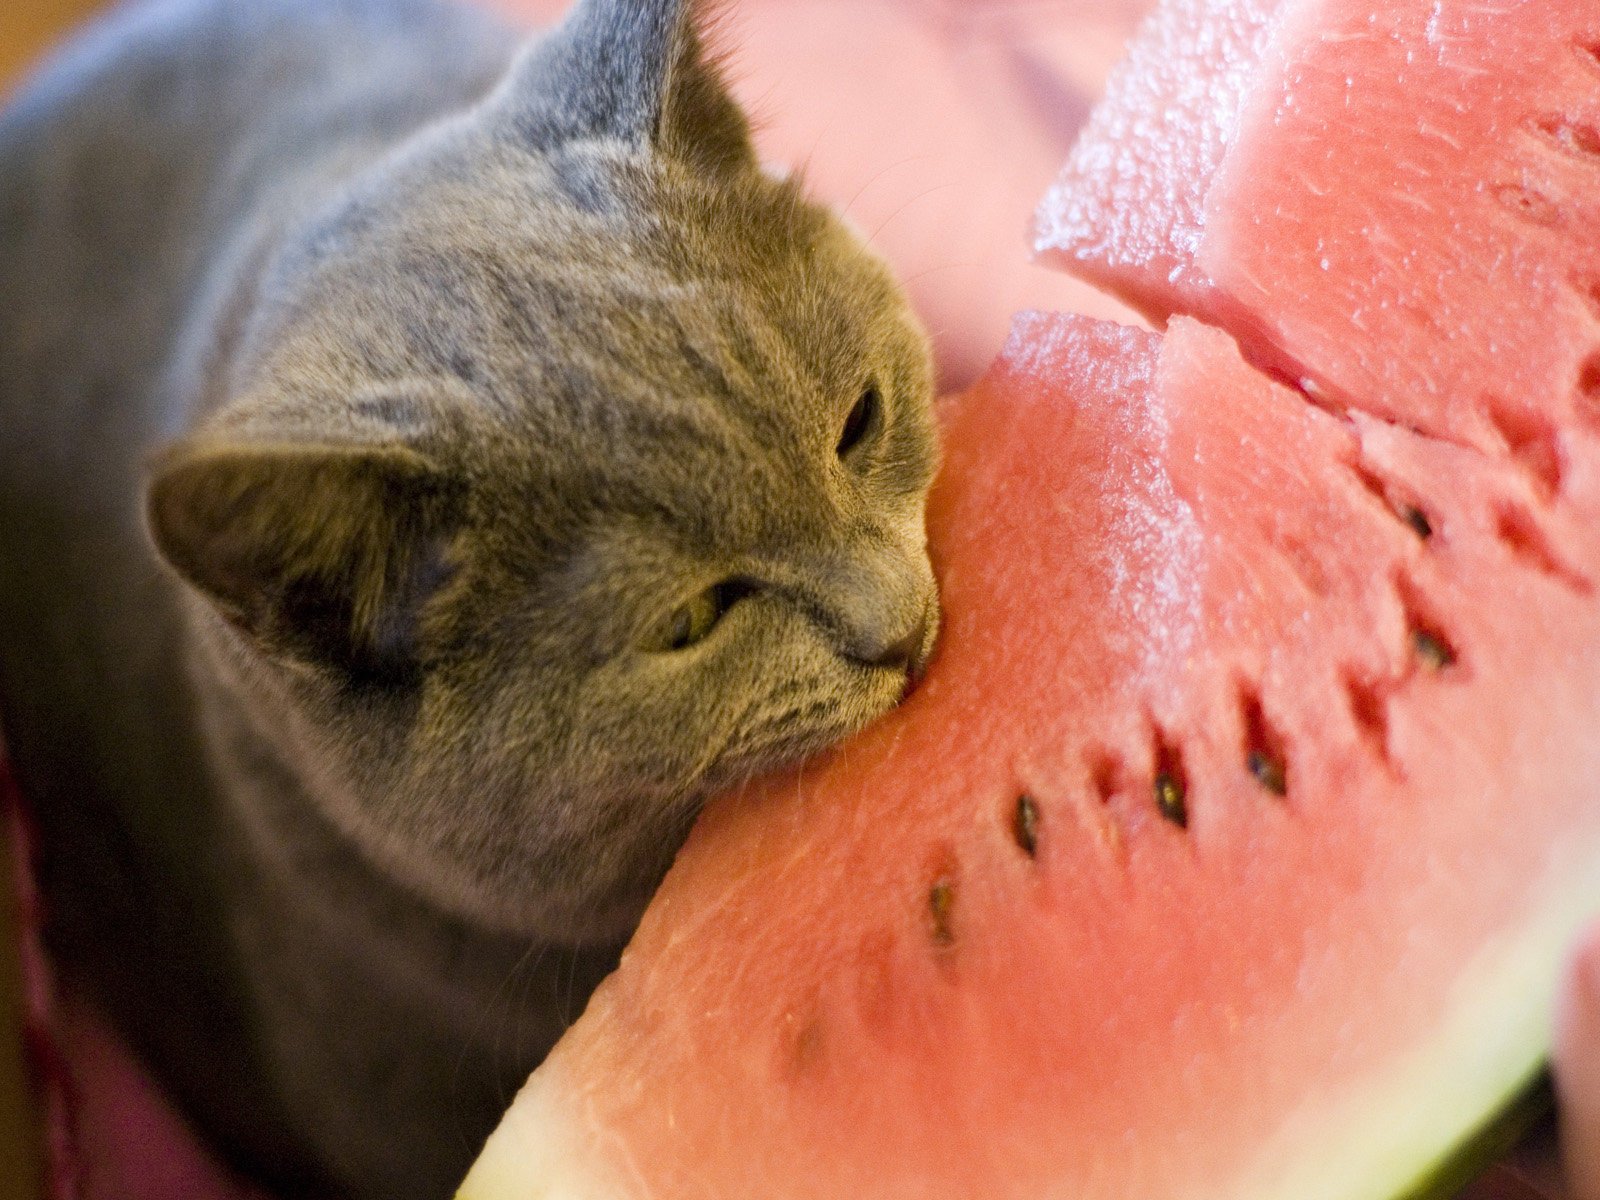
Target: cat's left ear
<point x="633" y="70"/>
<point x="321" y="555"/>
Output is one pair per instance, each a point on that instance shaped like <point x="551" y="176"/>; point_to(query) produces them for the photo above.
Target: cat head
<point x="570" y="468"/>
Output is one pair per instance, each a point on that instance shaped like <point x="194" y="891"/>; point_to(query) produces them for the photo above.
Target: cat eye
<point x="693" y="621"/>
<point x="862" y="417"/>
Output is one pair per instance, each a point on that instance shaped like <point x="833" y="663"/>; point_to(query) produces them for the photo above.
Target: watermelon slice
<point x="1393" y="205"/>
<point x="1231" y="847"/>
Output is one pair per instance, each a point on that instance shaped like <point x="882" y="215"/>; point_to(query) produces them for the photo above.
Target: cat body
<point x="427" y="470"/>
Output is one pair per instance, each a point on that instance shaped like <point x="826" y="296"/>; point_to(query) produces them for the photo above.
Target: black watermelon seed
<point x="1268" y="772"/>
<point x="1263" y="749"/>
<point x="1432" y="650"/>
<point x="1025" y="825"/>
<point x="1170" y="800"/>
<point x="941" y="902"/>
<point x="1414" y="517"/>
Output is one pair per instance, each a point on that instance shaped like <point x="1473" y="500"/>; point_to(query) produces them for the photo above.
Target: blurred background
<point x="26" y="27"/>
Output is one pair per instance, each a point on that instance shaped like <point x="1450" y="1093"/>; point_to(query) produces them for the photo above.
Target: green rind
<point x="1526" y="1104"/>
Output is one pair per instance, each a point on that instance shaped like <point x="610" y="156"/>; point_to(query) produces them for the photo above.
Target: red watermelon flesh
<point x="1396" y="206"/>
<point x="1126" y="213"/>
<point x="1217" y="856"/>
<point x="1230" y="848"/>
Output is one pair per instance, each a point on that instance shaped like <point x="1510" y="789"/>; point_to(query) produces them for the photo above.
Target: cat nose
<point x="902" y="650"/>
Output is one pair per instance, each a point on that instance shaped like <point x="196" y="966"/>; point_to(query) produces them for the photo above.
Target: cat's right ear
<point x="634" y="71"/>
<point x="319" y="554"/>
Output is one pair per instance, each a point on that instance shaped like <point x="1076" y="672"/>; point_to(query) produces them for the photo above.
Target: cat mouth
<point x="917" y="668"/>
<point x="912" y="680"/>
<point x="915" y="674"/>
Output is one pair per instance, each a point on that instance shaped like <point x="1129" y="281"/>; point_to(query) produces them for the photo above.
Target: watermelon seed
<point x="1570" y="135"/>
<point x="1430" y="646"/>
<point x="1418" y="520"/>
<point x="1169" y="799"/>
<point x="1025" y="825"/>
<point x="1268" y="772"/>
<point x="1409" y="513"/>
<point x="1170" y="786"/>
<point x="941" y="900"/>
<point x="1433" y="650"/>
<point x="1589" y="52"/>
<point x="1263" y="757"/>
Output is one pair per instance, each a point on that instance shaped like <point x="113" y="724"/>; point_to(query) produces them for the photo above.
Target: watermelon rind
<point x="532" y="1155"/>
<point x="1492" y="1140"/>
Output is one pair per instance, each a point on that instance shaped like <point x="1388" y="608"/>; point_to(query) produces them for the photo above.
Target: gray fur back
<point x="112" y="221"/>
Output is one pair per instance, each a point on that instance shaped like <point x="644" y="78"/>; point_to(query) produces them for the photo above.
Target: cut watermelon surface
<point x="1394" y="205"/>
<point x="1231" y="847"/>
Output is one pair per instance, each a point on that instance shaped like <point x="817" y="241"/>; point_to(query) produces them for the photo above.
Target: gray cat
<point x="426" y="473"/>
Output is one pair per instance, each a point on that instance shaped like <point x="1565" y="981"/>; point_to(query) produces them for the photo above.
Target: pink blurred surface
<point x="935" y="125"/>
<point x="109" y="1132"/>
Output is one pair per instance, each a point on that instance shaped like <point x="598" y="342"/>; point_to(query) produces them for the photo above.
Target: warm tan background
<point x="26" y="27"/>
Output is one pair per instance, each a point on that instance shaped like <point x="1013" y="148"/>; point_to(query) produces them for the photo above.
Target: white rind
<point x="537" y="1153"/>
<point x="1377" y="1142"/>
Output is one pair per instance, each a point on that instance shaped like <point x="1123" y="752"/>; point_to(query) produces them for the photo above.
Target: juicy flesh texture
<point x="1127" y="210"/>
<point x="1299" y="684"/>
<point x="1396" y="209"/>
<point x="1466" y="307"/>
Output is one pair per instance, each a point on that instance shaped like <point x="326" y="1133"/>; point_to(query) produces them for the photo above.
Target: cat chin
<point x="785" y="752"/>
<point x="607" y="923"/>
<point x="596" y="898"/>
<point x="590" y="920"/>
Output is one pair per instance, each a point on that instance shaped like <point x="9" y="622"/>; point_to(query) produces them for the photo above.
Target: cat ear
<point x="319" y="554"/>
<point x="633" y="70"/>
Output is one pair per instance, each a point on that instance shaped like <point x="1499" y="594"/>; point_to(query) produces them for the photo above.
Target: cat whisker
<point x="907" y="203"/>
